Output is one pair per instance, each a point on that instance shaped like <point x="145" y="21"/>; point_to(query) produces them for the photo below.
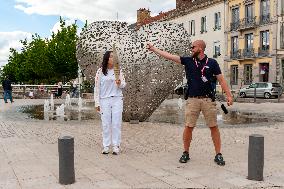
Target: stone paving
<point x="149" y="158"/>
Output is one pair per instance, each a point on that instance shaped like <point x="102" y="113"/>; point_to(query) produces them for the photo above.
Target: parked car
<point x="263" y="89"/>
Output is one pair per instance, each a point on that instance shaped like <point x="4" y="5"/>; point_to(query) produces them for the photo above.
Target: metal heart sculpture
<point x="150" y="78"/>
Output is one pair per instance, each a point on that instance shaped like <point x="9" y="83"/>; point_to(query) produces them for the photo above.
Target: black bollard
<point x="66" y="160"/>
<point x="256" y="157"/>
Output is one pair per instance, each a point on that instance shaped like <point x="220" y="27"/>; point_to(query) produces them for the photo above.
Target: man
<point x="200" y="73"/>
<point x="7" y="87"/>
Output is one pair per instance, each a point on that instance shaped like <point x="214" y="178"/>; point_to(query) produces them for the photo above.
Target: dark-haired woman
<point x="109" y="102"/>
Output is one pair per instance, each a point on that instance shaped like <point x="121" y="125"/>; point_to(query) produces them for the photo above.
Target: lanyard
<point x="202" y="70"/>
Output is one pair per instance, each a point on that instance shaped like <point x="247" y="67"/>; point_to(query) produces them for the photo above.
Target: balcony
<point x="264" y="19"/>
<point x="235" y="26"/>
<point x="248" y="23"/>
<point x="263" y="51"/>
<point x="236" y="54"/>
<point x="248" y="53"/>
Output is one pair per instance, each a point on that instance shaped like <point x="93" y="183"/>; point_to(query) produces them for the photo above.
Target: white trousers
<point x="111" y="116"/>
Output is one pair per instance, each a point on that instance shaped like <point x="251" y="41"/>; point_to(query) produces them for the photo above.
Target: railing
<point x="248" y="23"/>
<point x="39" y="91"/>
<point x="234" y="26"/>
<point x="264" y="19"/>
<point x="236" y="54"/>
<point x="248" y="53"/>
<point x="263" y="51"/>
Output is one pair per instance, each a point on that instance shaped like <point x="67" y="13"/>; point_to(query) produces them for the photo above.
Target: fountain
<point x="60" y="112"/>
<point x="68" y="100"/>
<point x="51" y="103"/>
<point x="80" y="104"/>
<point x="46" y="106"/>
<point x="46" y="110"/>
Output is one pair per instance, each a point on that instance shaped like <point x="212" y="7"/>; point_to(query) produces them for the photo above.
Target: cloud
<point x="11" y="40"/>
<point x="57" y="28"/>
<point x="94" y="10"/>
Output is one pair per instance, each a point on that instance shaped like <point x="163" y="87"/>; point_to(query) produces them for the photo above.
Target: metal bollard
<point x="66" y="160"/>
<point x="256" y="157"/>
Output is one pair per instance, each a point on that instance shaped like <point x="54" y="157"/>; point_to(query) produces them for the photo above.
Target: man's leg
<point x="10" y="96"/>
<point x="187" y="137"/>
<point x="5" y="96"/>
<point x="209" y="111"/>
<point x="215" y="134"/>
<point x="192" y="111"/>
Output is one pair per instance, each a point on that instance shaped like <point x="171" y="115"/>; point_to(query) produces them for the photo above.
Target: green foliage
<point x="45" y="60"/>
<point x="87" y="87"/>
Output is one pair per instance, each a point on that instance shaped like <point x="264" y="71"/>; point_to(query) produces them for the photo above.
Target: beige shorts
<point x="206" y="106"/>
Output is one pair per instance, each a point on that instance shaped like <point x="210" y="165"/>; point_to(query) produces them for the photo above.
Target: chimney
<point x="143" y="14"/>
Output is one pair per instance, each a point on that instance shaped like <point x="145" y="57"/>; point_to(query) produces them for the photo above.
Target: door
<point x="261" y="89"/>
<point x="250" y="90"/>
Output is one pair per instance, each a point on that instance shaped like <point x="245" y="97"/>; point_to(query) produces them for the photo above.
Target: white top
<point x="106" y="87"/>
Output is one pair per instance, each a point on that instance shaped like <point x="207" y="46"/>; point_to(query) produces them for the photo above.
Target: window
<point x="249" y="41"/>
<point x="235" y="15"/>
<point x="264" y="37"/>
<point x="264" y="12"/>
<point x="203" y="24"/>
<point x="247" y="74"/>
<point x="192" y="27"/>
<point x="217" y="21"/>
<point x="249" y="11"/>
<point x="264" y="7"/>
<point x="262" y="85"/>
<point x="263" y="72"/>
<point x="234" y="47"/>
<point x="216" y="49"/>
<point x="234" y="74"/>
<point x="235" y="24"/>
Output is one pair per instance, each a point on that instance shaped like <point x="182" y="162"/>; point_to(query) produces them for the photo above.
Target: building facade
<point x="246" y="37"/>
<point x="203" y="20"/>
<point x="252" y="37"/>
<point x="280" y="42"/>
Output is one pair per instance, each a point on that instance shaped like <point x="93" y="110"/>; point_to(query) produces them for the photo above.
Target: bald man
<point x="201" y="73"/>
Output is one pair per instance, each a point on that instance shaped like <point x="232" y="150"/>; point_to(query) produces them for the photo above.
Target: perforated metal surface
<point x="150" y="78"/>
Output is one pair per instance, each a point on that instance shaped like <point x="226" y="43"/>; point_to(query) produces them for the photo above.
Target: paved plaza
<point x="149" y="158"/>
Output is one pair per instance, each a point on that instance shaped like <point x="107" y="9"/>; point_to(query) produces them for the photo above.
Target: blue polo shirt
<point x="193" y="69"/>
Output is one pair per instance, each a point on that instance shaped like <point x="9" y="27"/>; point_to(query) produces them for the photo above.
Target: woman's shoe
<point x="115" y="150"/>
<point x="105" y="150"/>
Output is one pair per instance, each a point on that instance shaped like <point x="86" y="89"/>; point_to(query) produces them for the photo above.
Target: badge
<point x="204" y="79"/>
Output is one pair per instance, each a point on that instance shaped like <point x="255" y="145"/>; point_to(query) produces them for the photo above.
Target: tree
<point x="62" y="51"/>
<point x="45" y="60"/>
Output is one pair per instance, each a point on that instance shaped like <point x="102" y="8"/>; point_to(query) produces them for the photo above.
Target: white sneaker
<point x="115" y="150"/>
<point x="105" y="150"/>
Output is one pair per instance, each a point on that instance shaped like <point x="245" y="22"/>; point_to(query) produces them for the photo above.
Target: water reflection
<point x="73" y="112"/>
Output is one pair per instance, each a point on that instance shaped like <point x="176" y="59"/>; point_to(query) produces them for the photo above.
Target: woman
<point x="109" y="103"/>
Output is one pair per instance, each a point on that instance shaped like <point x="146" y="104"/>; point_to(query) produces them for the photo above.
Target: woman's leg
<point x="117" y="108"/>
<point x="106" y="121"/>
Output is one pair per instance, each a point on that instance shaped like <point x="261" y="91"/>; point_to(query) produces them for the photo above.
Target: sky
<point x="20" y="19"/>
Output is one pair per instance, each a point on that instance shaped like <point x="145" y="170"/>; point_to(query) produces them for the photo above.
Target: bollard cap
<point x="65" y="137"/>
<point x="257" y="136"/>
